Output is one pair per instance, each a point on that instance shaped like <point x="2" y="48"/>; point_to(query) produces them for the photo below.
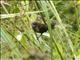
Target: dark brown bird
<point x="41" y="28"/>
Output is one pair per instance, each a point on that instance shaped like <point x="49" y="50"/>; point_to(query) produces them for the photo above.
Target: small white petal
<point x="19" y="36"/>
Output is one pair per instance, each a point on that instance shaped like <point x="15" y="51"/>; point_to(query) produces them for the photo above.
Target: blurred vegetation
<point x="19" y="41"/>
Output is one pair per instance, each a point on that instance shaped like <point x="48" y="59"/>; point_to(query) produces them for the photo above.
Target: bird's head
<point x="34" y="24"/>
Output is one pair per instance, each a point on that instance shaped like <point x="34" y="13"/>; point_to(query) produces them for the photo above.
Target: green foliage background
<point x="16" y="18"/>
